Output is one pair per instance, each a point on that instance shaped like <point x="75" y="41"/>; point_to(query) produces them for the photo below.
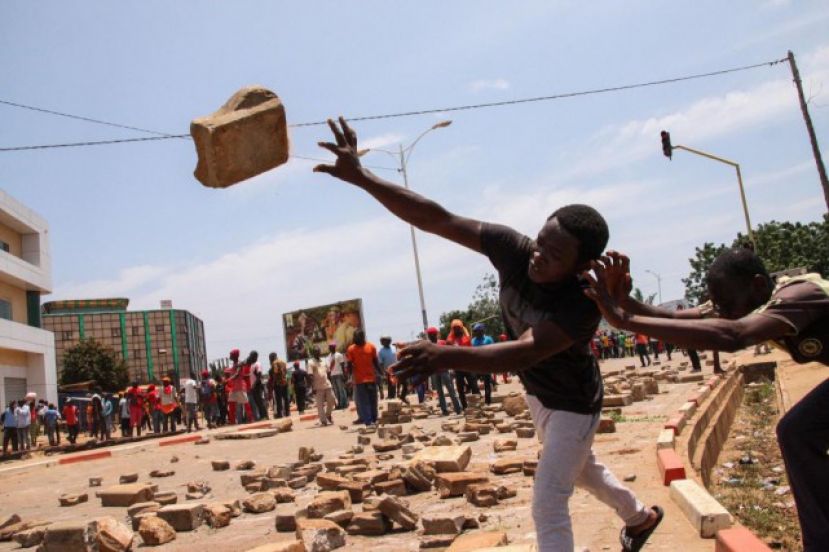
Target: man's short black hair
<point x="736" y="266"/>
<point x="586" y="225"/>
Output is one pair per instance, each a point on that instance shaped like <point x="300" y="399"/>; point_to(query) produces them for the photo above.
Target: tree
<point x="781" y="245"/>
<point x="639" y="296"/>
<point x="695" y="286"/>
<point x="89" y="360"/>
<point x="483" y="308"/>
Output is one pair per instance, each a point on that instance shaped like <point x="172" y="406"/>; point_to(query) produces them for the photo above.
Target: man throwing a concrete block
<point x="550" y="322"/>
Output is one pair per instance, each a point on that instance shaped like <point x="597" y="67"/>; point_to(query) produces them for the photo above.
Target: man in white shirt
<point x="333" y="364"/>
<point x="191" y="404"/>
<point x="24" y="420"/>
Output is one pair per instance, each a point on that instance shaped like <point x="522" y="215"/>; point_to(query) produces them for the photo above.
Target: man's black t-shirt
<point x="569" y="380"/>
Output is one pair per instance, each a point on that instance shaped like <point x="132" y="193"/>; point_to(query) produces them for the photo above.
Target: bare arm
<point x="715" y="334"/>
<point x="419" y="211"/>
<point x="423" y="358"/>
<point x="617" y="280"/>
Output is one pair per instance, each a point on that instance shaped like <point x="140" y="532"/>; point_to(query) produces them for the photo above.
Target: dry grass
<point x="747" y="490"/>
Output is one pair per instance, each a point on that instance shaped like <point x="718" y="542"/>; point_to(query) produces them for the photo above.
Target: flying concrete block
<point x="246" y="137"/>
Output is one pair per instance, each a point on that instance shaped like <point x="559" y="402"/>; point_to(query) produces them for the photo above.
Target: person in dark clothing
<point x="300" y="381"/>
<point x="551" y="324"/>
<point x="747" y="308"/>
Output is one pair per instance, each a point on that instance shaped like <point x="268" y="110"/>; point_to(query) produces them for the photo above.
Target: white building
<point x="27" y="352"/>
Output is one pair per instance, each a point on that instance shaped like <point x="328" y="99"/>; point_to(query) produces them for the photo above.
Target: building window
<point x="66" y="336"/>
<point x="4" y="246"/>
<point x="116" y="332"/>
<point x="5" y="309"/>
<point x="137" y="353"/>
<point x="159" y="328"/>
<point x="136" y="330"/>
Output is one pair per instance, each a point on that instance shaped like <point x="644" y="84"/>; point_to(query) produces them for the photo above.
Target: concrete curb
<point x="85" y="457"/>
<point x="712" y="407"/>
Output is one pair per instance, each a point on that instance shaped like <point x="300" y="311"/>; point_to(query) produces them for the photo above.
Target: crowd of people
<point x="608" y="344"/>
<point x="244" y="392"/>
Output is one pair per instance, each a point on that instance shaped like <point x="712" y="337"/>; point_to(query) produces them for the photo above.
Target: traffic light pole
<point x="739" y="181"/>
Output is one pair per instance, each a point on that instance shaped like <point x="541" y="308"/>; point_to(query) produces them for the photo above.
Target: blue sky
<point x="130" y="220"/>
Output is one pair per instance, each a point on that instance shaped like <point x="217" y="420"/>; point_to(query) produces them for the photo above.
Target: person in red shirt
<point x="362" y="360"/>
<point x="464" y="381"/>
<point x="70" y="414"/>
<point x="152" y="404"/>
<point x="135" y="400"/>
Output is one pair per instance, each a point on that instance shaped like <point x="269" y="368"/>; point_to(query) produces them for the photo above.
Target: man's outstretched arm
<point x="407" y="205"/>
<point x="715" y="334"/>
<point x="616" y="267"/>
<point x="423" y="358"/>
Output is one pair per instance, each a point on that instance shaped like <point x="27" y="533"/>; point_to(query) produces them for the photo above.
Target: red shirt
<point x="70" y="414"/>
<point x="243" y="381"/>
<point x="152" y="399"/>
<point x="362" y="357"/>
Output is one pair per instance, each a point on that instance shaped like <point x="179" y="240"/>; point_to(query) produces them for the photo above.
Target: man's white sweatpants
<point x="567" y="460"/>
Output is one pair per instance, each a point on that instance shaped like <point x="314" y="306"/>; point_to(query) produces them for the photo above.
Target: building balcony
<point x="22" y="337"/>
<point x="19" y="273"/>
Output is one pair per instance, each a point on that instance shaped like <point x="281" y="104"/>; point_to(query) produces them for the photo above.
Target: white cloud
<point x="621" y="144"/>
<point x="381" y="141"/>
<point x="488" y="84"/>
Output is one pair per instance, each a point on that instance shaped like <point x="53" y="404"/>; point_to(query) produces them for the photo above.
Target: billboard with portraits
<point x="318" y="326"/>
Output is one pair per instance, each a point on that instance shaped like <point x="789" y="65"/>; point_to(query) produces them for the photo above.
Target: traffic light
<point x="667" y="148"/>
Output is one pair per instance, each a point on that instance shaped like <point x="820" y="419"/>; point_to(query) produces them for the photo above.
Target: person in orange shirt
<point x="642" y="349"/>
<point x="362" y="360"/>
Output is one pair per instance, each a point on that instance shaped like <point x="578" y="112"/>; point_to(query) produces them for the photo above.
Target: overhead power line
<point x="594" y="91"/>
<point x="88" y="119"/>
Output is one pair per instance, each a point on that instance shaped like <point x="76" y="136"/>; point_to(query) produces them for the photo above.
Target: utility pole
<point x="821" y="169"/>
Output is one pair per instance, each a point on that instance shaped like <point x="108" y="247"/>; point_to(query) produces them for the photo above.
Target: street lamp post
<point x="667" y="149"/>
<point x="658" y="283"/>
<point x="403" y="155"/>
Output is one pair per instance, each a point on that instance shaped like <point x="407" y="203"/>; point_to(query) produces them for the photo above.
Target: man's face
<point x="433" y="337"/>
<point x="555" y="256"/>
<point x="735" y="300"/>
<point x="478" y="333"/>
<point x="457" y="331"/>
<point x="332" y="348"/>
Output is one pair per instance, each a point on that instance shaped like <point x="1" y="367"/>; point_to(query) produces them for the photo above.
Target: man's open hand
<point x="616" y="272"/>
<point x="347" y="167"/>
<point x="417" y="361"/>
<point x="601" y="291"/>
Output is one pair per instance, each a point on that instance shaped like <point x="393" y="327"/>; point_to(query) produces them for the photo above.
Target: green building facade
<point x="153" y="343"/>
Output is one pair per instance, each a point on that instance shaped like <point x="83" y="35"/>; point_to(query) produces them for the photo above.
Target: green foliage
<point x="695" y="286"/>
<point x="781" y="245"/>
<point x="483" y="308"/>
<point x="89" y="360"/>
<point x="639" y="296"/>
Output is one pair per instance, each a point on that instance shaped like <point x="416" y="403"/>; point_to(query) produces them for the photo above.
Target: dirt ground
<point x="31" y="489"/>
